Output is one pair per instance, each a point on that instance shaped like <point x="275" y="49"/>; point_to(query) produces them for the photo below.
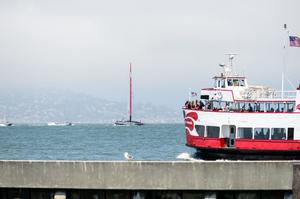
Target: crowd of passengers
<point x="194" y="105"/>
<point x="225" y="106"/>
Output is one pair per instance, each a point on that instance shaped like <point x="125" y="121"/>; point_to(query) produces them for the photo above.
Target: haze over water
<point x="92" y="142"/>
<point x="174" y="45"/>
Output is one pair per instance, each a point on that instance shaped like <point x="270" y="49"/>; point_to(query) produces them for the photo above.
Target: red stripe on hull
<point x="289" y="145"/>
<point x="204" y="141"/>
<point x="243" y="144"/>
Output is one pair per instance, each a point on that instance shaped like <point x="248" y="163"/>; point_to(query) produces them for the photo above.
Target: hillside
<point x="58" y="106"/>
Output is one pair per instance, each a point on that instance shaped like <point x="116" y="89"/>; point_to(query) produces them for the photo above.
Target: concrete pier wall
<point x="148" y="175"/>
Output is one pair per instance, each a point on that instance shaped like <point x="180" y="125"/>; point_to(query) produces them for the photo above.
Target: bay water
<point x="92" y="142"/>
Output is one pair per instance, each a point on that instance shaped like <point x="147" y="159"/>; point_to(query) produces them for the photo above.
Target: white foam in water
<point x="184" y="156"/>
<point x="188" y="157"/>
<point x="138" y="195"/>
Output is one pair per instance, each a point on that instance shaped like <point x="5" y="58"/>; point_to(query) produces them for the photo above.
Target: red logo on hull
<point x="189" y="123"/>
<point x="193" y="115"/>
<point x="298" y="107"/>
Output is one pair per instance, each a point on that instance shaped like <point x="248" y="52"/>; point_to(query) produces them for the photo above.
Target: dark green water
<point x="92" y="142"/>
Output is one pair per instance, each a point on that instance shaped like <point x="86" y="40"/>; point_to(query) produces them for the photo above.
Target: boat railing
<point x="278" y="95"/>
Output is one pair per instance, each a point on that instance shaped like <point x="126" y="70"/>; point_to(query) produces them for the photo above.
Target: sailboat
<point x="5" y="123"/>
<point x="60" y="124"/>
<point x="130" y="121"/>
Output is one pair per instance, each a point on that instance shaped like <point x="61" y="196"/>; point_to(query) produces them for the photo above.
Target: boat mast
<point x="228" y="69"/>
<point x="130" y="94"/>
<point x="284" y="58"/>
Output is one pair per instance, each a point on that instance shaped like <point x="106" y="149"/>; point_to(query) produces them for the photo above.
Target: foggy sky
<point x="86" y="46"/>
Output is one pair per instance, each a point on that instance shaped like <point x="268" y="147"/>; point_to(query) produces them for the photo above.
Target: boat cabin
<point x="227" y="82"/>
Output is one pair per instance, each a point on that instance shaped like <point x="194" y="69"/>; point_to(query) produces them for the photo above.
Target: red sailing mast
<point x="130" y="94"/>
<point x="130" y="121"/>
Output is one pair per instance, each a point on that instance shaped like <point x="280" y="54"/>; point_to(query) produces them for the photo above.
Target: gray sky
<point x="86" y="46"/>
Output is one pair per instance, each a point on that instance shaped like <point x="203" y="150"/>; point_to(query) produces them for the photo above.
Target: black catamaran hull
<point x="128" y="123"/>
<point x="235" y="154"/>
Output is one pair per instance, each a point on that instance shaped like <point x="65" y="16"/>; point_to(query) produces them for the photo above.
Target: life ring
<point x="218" y="96"/>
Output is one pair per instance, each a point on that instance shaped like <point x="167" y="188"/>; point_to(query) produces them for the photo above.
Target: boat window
<point x="212" y="131"/>
<point x="260" y="107"/>
<point x="290" y="133"/>
<point x="250" y="107"/>
<point x="257" y="107"/>
<point x="290" y="107"/>
<point x="235" y="82"/>
<point x="245" y="133"/>
<point x="282" y="107"/>
<point x="200" y="130"/>
<point x="236" y="106"/>
<point x="271" y="107"/>
<point x="262" y="133"/>
<point x="229" y="82"/>
<point x="278" y="107"/>
<point x="242" y="82"/>
<point x="278" y="134"/>
<point x="223" y="83"/>
<point x="242" y="106"/>
<point x="216" y="105"/>
<point x="206" y="97"/>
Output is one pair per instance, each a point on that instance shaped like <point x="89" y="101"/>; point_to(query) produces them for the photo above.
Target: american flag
<point x="294" y="41"/>
<point x="193" y="94"/>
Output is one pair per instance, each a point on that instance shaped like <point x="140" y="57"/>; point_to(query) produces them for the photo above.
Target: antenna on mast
<point x="229" y="68"/>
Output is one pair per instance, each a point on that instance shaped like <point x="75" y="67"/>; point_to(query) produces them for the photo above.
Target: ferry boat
<point x="235" y="120"/>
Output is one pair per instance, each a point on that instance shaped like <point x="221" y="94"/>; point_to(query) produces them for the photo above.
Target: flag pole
<point x="284" y="59"/>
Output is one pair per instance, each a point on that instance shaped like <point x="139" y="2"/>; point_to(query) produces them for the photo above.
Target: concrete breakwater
<point x="149" y="179"/>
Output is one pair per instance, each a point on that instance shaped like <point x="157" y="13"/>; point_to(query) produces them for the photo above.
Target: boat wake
<point x="188" y="157"/>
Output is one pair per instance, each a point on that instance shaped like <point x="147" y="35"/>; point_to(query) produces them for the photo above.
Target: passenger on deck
<point x="250" y="109"/>
<point x="209" y="105"/>
<point x="226" y="108"/>
<point x="201" y="104"/>
<point x="243" y="108"/>
<point x="186" y="104"/>
<point x="193" y="104"/>
<point x="197" y="106"/>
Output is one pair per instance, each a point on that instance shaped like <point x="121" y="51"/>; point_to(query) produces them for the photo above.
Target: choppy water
<point x="92" y="142"/>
